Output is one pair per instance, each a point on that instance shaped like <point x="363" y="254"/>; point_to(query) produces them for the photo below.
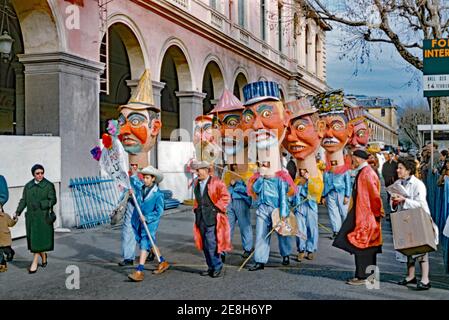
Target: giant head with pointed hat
<point x="305" y="129"/>
<point x="227" y="119"/>
<point x="206" y="139"/>
<point x="139" y="120"/>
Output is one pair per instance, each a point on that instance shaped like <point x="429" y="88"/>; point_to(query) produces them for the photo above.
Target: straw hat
<point x="150" y="170"/>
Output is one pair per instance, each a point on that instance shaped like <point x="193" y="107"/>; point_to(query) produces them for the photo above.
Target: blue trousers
<point x="128" y="237"/>
<point x="209" y="237"/>
<point x="263" y="227"/>
<point x="238" y="210"/>
<point x="308" y="225"/>
<point x="337" y="210"/>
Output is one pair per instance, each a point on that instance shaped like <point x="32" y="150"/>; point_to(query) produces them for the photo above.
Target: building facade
<point x="382" y="118"/>
<point x="75" y="61"/>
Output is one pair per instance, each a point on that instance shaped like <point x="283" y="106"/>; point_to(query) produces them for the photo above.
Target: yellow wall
<point x="390" y="117"/>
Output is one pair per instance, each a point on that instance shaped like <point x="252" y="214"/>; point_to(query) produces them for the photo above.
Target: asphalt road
<point x="95" y="253"/>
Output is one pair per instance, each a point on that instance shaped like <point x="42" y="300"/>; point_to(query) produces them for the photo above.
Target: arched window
<point x="239" y="83"/>
<point x="213" y="85"/>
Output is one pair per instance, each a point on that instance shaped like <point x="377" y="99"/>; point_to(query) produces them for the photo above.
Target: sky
<point x="383" y="75"/>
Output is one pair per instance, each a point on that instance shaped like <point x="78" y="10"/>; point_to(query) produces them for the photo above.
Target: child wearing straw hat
<point x="151" y="202"/>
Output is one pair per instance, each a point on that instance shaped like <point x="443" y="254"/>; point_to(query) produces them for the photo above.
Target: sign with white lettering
<point x="436" y="68"/>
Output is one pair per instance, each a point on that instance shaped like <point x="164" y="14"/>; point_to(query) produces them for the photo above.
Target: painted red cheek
<point x="140" y="133"/>
<point x="126" y="129"/>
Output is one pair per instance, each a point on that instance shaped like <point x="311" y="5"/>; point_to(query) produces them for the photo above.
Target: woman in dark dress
<point x="39" y="197"/>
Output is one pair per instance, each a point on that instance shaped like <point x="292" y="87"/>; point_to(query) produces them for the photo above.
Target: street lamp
<point x="6" y="46"/>
<point x="6" y="40"/>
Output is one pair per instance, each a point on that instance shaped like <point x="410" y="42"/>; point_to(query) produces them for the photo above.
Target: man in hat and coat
<point x="228" y="117"/>
<point x="211" y="228"/>
<point x="267" y="120"/>
<point x="151" y="202"/>
<point x="361" y="232"/>
<point x="304" y="134"/>
<point x="337" y="175"/>
<point x="139" y="126"/>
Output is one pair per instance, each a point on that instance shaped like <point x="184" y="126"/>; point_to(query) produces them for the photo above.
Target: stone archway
<point x="39" y="29"/>
<point x="175" y="73"/>
<point x="12" y="99"/>
<point x="240" y="81"/>
<point x="281" y="91"/>
<point x="125" y="66"/>
<point x="213" y="85"/>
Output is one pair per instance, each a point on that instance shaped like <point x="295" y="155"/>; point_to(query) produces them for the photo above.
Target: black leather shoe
<point x="206" y="273"/>
<point x="151" y="256"/>
<point x="405" y="282"/>
<point x="32" y="271"/>
<point x="257" y="266"/>
<point x="246" y="254"/>
<point x="44" y="264"/>
<point x="217" y="274"/>
<point x="421" y="286"/>
<point x="285" y="261"/>
<point x="126" y="263"/>
<point x="10" y="256"/>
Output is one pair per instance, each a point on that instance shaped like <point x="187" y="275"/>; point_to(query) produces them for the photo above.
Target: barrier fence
<point x="94" y="200"/>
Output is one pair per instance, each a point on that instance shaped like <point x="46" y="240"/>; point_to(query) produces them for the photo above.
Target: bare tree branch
<point x="367" y="37"/>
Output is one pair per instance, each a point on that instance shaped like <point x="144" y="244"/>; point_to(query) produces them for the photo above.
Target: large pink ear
<point x="156" y="126"/>
<point x="287" y="116"/>
<point x="350" y="129"/>
<point x="321" y="128"/>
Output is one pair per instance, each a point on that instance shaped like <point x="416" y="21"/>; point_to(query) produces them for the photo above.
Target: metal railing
<point x="94" y="200"/>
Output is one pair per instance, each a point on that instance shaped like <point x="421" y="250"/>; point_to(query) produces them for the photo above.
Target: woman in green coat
<point x="38" y="197"/>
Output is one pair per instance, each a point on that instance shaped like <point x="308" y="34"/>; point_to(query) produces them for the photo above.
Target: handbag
<point x="118" y="213"/>
<point x="51" y="216"/>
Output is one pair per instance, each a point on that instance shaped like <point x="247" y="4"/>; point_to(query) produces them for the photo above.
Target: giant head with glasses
<point x="139" y="122"/>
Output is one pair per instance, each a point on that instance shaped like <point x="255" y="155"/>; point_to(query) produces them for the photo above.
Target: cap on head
<point x="361" y="154"/>
<point x="260" y="91"/>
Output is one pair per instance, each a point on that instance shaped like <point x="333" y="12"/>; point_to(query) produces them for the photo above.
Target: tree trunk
<point x="440" y="110"/>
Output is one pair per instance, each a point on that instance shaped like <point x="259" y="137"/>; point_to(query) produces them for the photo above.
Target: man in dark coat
<point x="211" y="199"/>
<point x="361" y="233"/>
<point x="389" y="173"/>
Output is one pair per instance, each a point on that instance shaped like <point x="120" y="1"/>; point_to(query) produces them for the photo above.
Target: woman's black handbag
<point x="51" y="216"/>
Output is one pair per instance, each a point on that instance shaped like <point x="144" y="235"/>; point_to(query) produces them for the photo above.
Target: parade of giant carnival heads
<point x="237" y="166"/>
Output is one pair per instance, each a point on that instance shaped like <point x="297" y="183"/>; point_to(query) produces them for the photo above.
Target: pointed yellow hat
<point x="142" y="97"/>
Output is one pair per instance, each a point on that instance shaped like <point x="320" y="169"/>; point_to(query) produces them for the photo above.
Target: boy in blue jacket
<point x="151" y="202"/>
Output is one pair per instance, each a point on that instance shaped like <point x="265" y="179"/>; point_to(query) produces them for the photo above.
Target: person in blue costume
<point x="239" y="210"/>
<point x="151" y="202"/>
<point x="228" y="118"/>
<point x="337" y="176"/>
<point x="266" y="119"/>
<point x="304" y="134"/>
